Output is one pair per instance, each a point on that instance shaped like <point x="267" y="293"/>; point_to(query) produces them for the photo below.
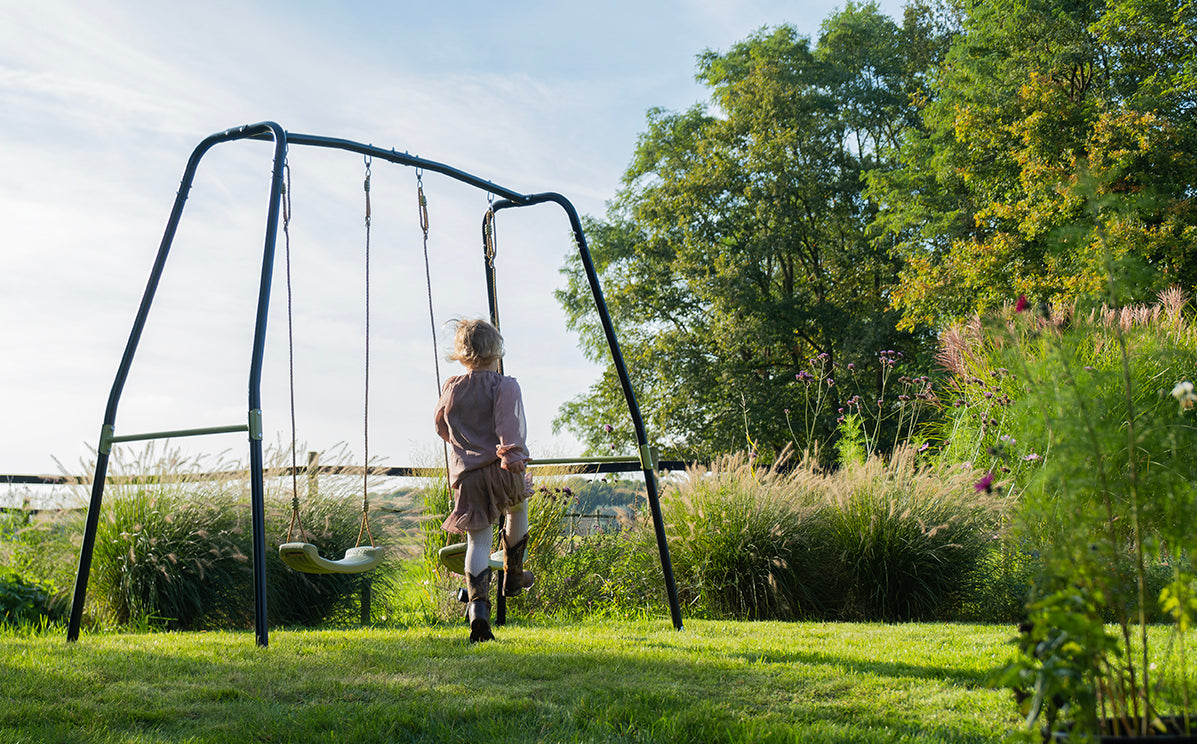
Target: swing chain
<point x="295" y="521"/>
<point x="436" y="360"/>
<point x="365" y="525"/>
<point x="423" y="206"/>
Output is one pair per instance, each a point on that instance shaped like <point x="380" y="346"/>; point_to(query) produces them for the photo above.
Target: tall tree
<point x="1057" y="130"/>
<point x="738" y="249"/>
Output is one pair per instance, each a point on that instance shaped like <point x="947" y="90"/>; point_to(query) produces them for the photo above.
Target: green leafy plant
<point x="1110" y="511"/>
<point x="26" y="601"/>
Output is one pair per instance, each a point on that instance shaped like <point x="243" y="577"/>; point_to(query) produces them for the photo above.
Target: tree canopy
<point x="738" y="248"/>
<point x="1059" y="135"/>
<point x="837" y="198"/>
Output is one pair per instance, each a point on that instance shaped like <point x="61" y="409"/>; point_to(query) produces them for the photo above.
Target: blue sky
<point x="101" y="102"/>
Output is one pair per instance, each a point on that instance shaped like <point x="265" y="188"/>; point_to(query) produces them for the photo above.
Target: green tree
<point x="1043" y="111"/>
<point x="738" y="248"/>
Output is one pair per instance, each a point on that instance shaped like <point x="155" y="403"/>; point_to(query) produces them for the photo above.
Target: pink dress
<point x="481" y="415"/>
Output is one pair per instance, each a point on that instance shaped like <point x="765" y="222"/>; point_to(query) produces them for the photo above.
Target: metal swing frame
<point x="271" y="131"/>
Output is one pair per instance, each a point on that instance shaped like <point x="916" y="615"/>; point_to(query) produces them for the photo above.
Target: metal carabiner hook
<point x="366" y="188"/>
<point x="423" y="201"/>
<point x="490" y="238"/>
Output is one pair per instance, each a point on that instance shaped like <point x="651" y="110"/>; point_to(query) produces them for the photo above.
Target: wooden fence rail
<point x="580" y="467"/>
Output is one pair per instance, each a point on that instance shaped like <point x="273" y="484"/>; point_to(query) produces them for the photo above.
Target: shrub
<point x="26" y="601"/>
<point x="169" y="558"/>
<point x="742" y="542"/>
<point x="604" y="574"/>
<point x="876" y="540"/>
<point x="911" y="543"/>
<point x="42" y="545"/>
<point x="609" y="570"/>
<point x="174" y="543"/>
<point x="1003" y="585"/>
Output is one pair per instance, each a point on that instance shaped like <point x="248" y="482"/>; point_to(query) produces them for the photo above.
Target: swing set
<point x="300" y="554"/>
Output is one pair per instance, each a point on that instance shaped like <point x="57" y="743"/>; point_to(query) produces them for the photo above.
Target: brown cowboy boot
<point x="478" y="609"/>
<point x="515" y="578"/>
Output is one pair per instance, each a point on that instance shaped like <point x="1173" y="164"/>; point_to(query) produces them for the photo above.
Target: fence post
<point x="366" y="596"/>
<point x="313" y="471"/>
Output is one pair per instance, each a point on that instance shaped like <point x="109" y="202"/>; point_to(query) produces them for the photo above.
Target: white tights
<point x="478" y="542"/>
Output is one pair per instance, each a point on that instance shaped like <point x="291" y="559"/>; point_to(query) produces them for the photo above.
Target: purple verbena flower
<point x="985" y="484"/>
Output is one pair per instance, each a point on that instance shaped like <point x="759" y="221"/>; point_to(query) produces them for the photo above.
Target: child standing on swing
<point x="481" y="415"/>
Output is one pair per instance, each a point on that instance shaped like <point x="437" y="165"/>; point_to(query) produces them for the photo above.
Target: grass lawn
<point x="595" y="681"/>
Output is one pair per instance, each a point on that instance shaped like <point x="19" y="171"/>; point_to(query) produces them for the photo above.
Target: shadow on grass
<point x="583" y="683"/>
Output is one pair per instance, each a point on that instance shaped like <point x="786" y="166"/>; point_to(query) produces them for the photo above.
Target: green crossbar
<point x="580" y="460"/>
<point x="107" y="438"/>
<point x="646" y="460"/>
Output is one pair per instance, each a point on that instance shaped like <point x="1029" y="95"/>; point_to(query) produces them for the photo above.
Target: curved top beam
<point x="401" y="158"/>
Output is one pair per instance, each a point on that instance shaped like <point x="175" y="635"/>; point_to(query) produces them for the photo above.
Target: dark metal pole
<point x="492" y="296"/>
<point x="108" y="428"/>
<point x="118" y="385"/>
<point x="646" y="458"/>
<point x="257" y="484"/>
<point x="401" y="158"/>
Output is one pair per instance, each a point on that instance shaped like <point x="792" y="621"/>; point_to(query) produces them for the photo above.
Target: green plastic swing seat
<point x="305" y="557"/>
<point x="452" y="557"/>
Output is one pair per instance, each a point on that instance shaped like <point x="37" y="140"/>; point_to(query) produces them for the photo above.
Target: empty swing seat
<point x="452" y="557"/>
<point x="305" y="557"/>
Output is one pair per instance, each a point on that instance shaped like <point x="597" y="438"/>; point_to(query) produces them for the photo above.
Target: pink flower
<point x="1022" y="304"/>
<point x="985" y="484"/>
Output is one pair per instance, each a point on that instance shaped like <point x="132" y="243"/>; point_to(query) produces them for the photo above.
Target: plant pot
<point x="1174" y="733"/>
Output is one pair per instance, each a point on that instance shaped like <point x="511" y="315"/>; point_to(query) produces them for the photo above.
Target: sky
<point x="102" y="102"/>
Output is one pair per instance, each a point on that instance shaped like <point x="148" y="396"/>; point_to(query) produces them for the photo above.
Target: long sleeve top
<point x="481" y="415"/>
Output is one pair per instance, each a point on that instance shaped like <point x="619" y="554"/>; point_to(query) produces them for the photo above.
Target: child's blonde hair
<point x="476" y="343"/>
